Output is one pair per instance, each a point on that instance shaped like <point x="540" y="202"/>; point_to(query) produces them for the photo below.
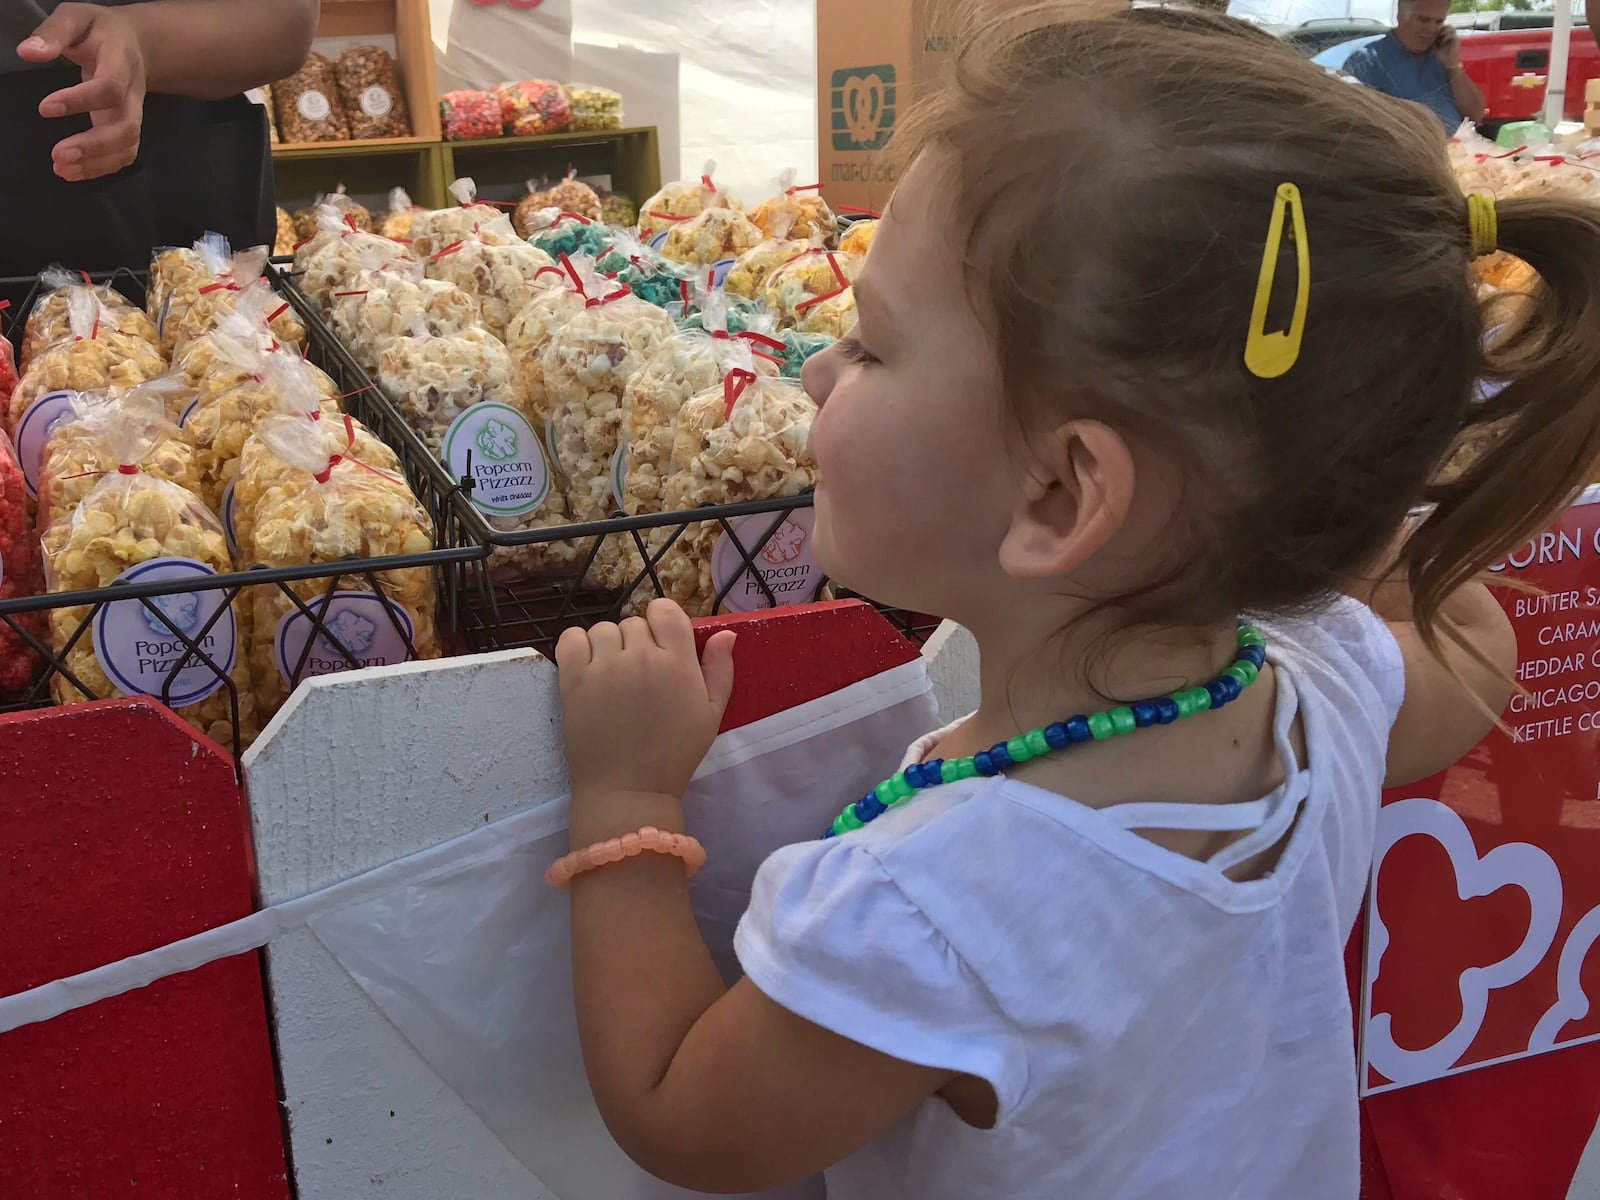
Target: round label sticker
<point x="226" y="517"/>
<point x="550" y="444"/>
<point x="33" y="433"/>
<point x="314" y="106"/>
<point x="720" y="269"/>
<point x="363" y="625"/>
<point x="508" y="470"/>
<point x="619" y="474"/>
<point x="784" y="563"/>
<point x="659" y="240"/>
<point x="138" y="650"/>
<point x="376" y="102"/>
<point x="161" y="318"/>
<point x="188" y="411"/>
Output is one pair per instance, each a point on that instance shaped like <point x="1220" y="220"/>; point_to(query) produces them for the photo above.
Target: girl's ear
<point x="1076" y="493"/>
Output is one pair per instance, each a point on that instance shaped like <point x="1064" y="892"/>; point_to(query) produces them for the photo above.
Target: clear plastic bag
<point x="714" y="236"/>
<point x="283" y="242"/>
<point x="503" y="279"/>
<point x="531" y="331"/>
<point x="692" y="362"/>
<point x="749" y="275"/>
<point x="814" y="293"/>
<point x="432" y="231"/>
<point x="797" y="212"/>
<point x="649" y="276"/>
<point x="383" y="305"/>
<point x="618" y="210"/>
<point x="532" y="107"/>
<point x="587" y="365"/>
<point x="49" y="322"/>
<point x="574" y="196"/>
<point x="745" y="439"/>
<point x="194" y="287"/>
<point x="857" y="237"/>
<point x="343" y="254"/>
<point x="265" y="307"/>
<point x="307" y="104"/>
<point x="19" y="573"/>
<point x="352" y="214"/>
<point x="327" y="506"/>
<point x="370" y="94"/>
<point x="460" y="396"/>
<point x="80" y="453"/>
<point x="594" y="108"/>
<point x="137" y="528"/>
<point x="469" y="116"/>
<point x="402" y="212"/>
<point x="677" y="202"/>
<point x="555" y="232"/>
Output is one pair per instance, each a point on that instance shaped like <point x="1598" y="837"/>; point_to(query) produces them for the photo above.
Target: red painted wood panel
<point x="122" y="830"/>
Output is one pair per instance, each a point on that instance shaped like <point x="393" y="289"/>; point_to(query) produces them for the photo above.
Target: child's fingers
<point x="572" y="650"/>
<point x="671" y="627"/>
<point x="636" y="634"/>
<point x="717" y="666"/>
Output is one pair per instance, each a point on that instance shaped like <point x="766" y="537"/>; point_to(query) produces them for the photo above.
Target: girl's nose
<point x="818" y="375"/>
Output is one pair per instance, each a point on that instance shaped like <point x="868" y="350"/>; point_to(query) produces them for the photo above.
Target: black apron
<point x="202" y="166"/>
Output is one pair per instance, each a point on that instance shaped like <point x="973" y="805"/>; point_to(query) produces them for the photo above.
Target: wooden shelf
<point x="565" y="138"/>
<point x="340" y="149"/>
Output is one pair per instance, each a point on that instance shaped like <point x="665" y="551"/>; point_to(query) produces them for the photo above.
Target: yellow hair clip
<point x="1270" y="355"/>
<point x="1483" y="223"/>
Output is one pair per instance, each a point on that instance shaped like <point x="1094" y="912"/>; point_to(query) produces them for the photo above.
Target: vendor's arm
<point x="208" y="49"/>
<point x="1467" y="95"/>
<point x="709" y="1088"/>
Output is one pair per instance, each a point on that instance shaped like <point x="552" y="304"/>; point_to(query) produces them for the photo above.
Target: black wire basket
<point x="190" y="664"/>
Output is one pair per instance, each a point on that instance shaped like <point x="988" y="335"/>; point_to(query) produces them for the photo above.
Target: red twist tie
<point x="303" y="241"/>
<point x="861" y="212"/>
<point x="278" y="312"/>
<point x="127" y="469"/>
<point x="1509" y="153"/>
<point x="564" y="215"/>
<point x="661" y="216"/>
<point x="733" y="386"/>
<point x="401" y="241"/>
<point x="683" y="292"/>
<point x="838" y="273"/>
<point x="87" y="282"/>
<point x="804" y="187"/>
<point x="350" y="220"/>
<point x="762" y="339"/>
<point x="705" y="182"/>
<point x="450" y="249"/>
<point x="499" y="203"/>
<point x="347" y="396"/>
<point x="771" y="358"/>
<point x="4" y="304"/>
<point x="219" y="286"/>
<point x="572" y="274"/>
<point x="597" y="301"/>
<point x="552" y="270"/>
<point x="339" y="296"/>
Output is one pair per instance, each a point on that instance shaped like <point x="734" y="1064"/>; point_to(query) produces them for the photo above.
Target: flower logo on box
<point x="863" y="107"/>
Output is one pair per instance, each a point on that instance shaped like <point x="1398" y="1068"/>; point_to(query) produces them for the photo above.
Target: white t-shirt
<point x="1151" y="1028"/>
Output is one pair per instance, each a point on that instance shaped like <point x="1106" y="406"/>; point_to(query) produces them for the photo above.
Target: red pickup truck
<point x="1513" y="66"/>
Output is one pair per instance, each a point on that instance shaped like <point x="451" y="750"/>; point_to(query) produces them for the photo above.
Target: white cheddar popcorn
<point x="504" y="279"/>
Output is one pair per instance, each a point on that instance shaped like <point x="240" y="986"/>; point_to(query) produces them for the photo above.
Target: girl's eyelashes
<point x="853" y="350"/>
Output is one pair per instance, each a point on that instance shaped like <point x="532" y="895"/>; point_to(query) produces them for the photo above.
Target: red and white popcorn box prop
<point x="1483" y="919"/>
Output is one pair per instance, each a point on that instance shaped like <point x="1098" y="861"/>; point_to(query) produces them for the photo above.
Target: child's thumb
<point x="716" y="664"/>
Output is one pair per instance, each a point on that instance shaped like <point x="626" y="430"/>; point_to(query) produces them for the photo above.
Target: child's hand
<point x="641" y="709"/>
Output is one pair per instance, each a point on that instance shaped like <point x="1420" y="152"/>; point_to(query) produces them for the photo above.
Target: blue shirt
<point x="1388" y="67"/>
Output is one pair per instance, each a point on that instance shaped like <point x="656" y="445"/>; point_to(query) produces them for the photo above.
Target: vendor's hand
<point x="1448" y="48"/>
<point x="104" y="44"/>
<point x="641" y="708"/>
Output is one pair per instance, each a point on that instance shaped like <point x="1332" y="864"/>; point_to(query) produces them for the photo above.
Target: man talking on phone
<point x="1420" y="60"/>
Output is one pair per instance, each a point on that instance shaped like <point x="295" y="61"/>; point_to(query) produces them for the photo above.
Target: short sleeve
<point x="831" y="937"/>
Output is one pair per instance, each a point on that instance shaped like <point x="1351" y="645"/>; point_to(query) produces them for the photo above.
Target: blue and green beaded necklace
<point x="1097" y="727"/>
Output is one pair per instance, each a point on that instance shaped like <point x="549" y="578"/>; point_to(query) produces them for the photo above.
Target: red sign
<point x="1485" y="901"/>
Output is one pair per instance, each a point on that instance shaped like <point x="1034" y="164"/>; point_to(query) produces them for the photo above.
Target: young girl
<point x="1163" y="337"/>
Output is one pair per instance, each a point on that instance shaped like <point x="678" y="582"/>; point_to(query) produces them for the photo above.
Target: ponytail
<point x="1538" y="438"/>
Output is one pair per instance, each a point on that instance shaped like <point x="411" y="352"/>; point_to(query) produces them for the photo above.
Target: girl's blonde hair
<point x="1114" y="177"/>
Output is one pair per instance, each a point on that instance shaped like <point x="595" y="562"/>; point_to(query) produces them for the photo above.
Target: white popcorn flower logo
<point x="353" y="631"/>
<point x="785" y="545"/>
<point x="183" y="611"/>
<point x="498" y="441"/>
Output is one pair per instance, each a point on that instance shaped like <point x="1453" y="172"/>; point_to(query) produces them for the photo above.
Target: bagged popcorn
<point x="134" y="528"/>
<point x="432" y="231"/>
<point x="814" y="294"/>
<point x="82" y="451"/>
<point x="594" y="108"/>
<point x="284" y="241"/>
<point x="94" y="359"/>
<point x="714" y="236"/>
<point x="187" y="280"/>
<point x="352" y="214"/>
<point x="265" y="306"/>
<point x="459" y="395"/>
<point x="402" y="212"/>
<point x="742" y="440"/>
<point x="618" y="210"/>
<point x="748" y="276"/>
<point x="556" y="232"/>
<point x="532" y="107"/>
<point x="692" y="362"/>
<point x="587" y="365"/>
<point x="383" y="305"/>
<point x="857" y="237"/>
<point x="50" y="322"/>
<point x="574" y="196"/>
<point x="645" y="273"/>
<point x="503" y="279"/>
<point x="344" y="254"/>
<point x="678" y="202"/>
<point x="798" y="213"/>
<point x="327" y="506"/>
<point x="531" y="331"/>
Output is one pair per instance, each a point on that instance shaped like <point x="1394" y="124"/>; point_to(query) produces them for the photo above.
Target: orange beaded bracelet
<point x="631" y="845"/>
